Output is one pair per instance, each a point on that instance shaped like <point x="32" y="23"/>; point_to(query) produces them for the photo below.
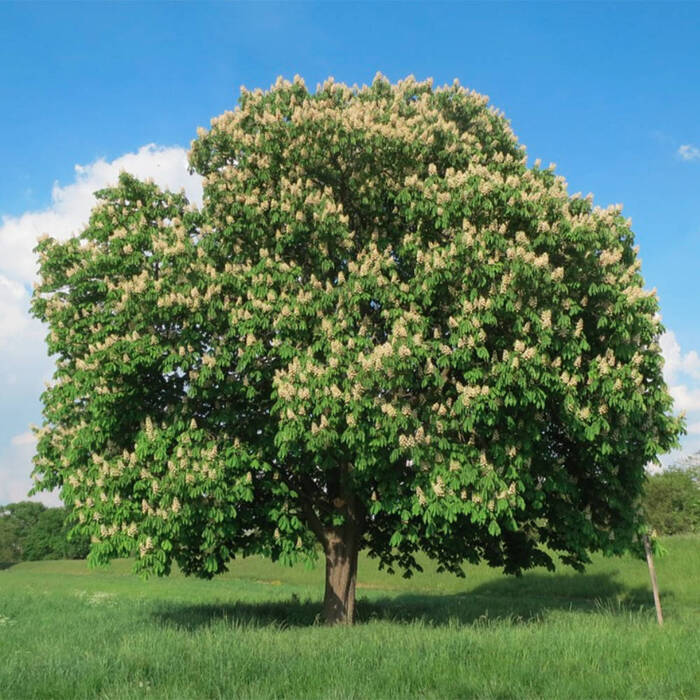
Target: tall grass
<point x="66" y="632"/>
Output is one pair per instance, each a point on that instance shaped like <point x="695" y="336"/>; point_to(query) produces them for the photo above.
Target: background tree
<point x="672" y="500"/>
<point x="49" y="538"/>
<point x="31" y="531"/>
<point x="383" y="331"/>
<point x="16" y="520"/>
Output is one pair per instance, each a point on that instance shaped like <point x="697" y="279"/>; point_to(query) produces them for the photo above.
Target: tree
<point x="16" y="520"/>
<point x="672" y="500"/>
<point x="382" y="331"/>
<point x="49" y="538"/>
<point x="31" y="531"/>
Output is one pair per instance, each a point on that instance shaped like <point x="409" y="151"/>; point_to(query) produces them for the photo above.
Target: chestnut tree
<point x="382" y="331"/>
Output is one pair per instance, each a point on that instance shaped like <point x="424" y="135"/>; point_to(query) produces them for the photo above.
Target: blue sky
<point x="609" y="92"/>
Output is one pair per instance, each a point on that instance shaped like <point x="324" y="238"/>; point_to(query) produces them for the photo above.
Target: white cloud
<point x="14" y="306"/>
<point x="689" y="152"/>
<point x="685" y="399"/>
<point x="24" y="365"/>
<point x="682" y="374"/>
<point x="15" y="470"/>
<point x="71" y="204"/>
<point x="677" y="363"/>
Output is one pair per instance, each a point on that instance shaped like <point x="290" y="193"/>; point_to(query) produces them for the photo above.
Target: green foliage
<point x="49" y="538"/>
<point x="16" y="522"/>
<point x="381" y="320"/>
<point x="672" y="501"/>
<point x="31" y="531"/>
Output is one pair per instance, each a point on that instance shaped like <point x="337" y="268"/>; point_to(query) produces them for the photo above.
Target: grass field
<point x="67" y="632"/>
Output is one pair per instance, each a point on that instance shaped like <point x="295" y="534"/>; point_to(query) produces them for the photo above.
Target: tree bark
<point x="341" y="548"/>
<point x="341" y="544"/>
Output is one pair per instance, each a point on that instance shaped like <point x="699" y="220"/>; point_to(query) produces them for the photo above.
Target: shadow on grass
<point x="7" y="564"/>
<point x="516" y="601"/>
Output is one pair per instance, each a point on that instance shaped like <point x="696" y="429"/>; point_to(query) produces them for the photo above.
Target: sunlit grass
<point x="67" y="632"/>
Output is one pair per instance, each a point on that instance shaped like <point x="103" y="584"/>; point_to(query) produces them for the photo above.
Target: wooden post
<point x="654" y="585"/>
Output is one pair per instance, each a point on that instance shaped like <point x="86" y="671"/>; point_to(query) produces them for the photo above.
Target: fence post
<point x="654" y="585"/>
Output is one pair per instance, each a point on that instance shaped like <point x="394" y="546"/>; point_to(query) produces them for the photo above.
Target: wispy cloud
<point x="22" y="439"/>
<point x="689" y="152"/>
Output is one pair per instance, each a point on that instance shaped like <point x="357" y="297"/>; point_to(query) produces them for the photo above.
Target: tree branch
<point x="313" y="521"/>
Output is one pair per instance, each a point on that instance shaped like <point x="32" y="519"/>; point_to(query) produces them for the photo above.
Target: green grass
<point x="67" y="632"/>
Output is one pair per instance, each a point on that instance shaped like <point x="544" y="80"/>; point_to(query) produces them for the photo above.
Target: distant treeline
<point x="31" y="531"/>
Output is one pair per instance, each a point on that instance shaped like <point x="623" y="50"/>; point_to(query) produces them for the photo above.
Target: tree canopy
<point x="382" y="331"/>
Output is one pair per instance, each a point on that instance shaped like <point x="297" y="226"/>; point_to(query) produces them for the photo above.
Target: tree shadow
<point x="528" y="599"/>
<point x="517" y="600"/>
<point x="7" y="564"/>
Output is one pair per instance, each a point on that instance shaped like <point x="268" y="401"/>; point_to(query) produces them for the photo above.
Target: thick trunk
<point x="341" y="548"/>
<point x="341" y="543"/>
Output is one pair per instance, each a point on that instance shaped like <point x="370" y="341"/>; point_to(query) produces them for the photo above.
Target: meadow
<point x="70" y="632"/>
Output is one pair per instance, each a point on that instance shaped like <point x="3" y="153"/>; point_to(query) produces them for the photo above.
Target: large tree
<point x="382" y="331"/>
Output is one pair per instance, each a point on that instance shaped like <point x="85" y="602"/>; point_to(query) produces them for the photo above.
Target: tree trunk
<point x="341" y="547"/>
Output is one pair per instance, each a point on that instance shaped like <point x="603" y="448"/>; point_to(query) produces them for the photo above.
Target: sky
<point x="609" y="92"/>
